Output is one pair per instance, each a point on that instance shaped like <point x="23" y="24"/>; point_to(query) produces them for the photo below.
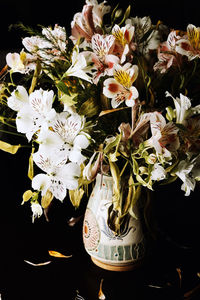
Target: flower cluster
<point x="118" y="98"/>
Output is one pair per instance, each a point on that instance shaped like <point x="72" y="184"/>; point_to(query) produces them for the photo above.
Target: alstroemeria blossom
<point x="88" y="22"/>
<point x="167" y="53"/>
<point x="37" y="46"/>
<point x="70" y="129"/>
<point x="18" y="99"/>
<point x="79" y="67"/>
<point x="36" y="210"/>
<point x="184" y="169"/>
<point x="59" y="176"/>
<point x="36" y="113"/>
<point x="20" y="62"/>
<point x="164" y="136"/>
<point x="183" y="108"/>
<point x="189" y="44"/>
<point x="102" y="56"/>
<point x="57" y="37"/>
<point x="158" y="173"/>
<point x="123" y="38"/>
<point x="120" y="87"/>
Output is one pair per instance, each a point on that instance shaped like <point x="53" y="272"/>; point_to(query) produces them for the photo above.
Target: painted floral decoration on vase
<point x="116" y="95"/>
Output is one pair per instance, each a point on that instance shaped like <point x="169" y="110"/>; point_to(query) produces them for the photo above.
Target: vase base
<point x="117" y="268"/>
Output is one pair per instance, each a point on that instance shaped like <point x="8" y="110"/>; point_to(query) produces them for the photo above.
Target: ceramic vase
<point x="107" y="250"/>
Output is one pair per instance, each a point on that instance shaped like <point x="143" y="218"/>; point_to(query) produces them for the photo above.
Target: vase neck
<point x="104" y="181"/>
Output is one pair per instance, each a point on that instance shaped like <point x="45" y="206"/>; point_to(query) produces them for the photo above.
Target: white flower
<point x="184" y="169"/>
<point x="80" y="142"/>
<point x="182" y="105"/>
<point x="158" y="173"/>
<point x="49" y="140"/>
<point x="22" y="63"/>
<point x="18" y="99"/>
<point x="79" y="66"/>
<point x="60" y="175"/>
<point x="41" y="101"/>
<point x="69" y="128"/>
<point x="14" y="61"/>
<point x="56" y="36"/>
<point x="36" y="210"/>
<point x="183" y="108"/>
<point x="38" y="113"/>
<point x="41" y="182"/>
<point x="164" y="135"/>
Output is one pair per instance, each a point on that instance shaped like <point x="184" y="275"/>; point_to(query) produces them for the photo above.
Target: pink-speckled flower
<point x="123" y="37"/>
<point x="102" y="56"/>
<point x="189" y="45"/>
<point x="167" y="53"/>
<point x="164" y="136"/>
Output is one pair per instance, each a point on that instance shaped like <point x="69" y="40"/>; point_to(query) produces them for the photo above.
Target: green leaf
<point x="89" y="108"/>
<point x="63" y="87"/>
<point x="111" y="148"/>
<point x="68" y="100"/>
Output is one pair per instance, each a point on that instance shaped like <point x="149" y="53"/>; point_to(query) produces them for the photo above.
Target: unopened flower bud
<point x="170" y="113"/>
<point x="118" y="13"/>
<point x="151" y="159"/>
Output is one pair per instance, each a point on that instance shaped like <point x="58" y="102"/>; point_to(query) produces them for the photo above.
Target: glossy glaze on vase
<point x="108" y="250"/>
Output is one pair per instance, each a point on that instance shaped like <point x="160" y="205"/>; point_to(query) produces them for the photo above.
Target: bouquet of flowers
<point x="117" y="96"/>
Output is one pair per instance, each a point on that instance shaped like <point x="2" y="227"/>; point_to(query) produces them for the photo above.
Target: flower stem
<point x="10" y="132"/>
<point x="133" y="115"/>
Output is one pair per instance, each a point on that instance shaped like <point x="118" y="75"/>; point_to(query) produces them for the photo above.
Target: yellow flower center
<point x="123" y="78"/>
<point x="194" y="37"/>
<point x="119" y="36"/>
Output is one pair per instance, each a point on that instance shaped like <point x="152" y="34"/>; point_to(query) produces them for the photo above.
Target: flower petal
<point x="41" y="182"/>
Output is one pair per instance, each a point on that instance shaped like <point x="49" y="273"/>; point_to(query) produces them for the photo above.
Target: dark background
<point x="177" y="216"/>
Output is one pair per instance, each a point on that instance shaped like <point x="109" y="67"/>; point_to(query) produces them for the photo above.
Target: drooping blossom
<point x="18" y="99"/>
<point x="158" y="173"/>
<point x="36" y="210"/>
<point x="191" y="135"/>
<point x="102" y="56"/>
<point x="120" y="87"/>
<point x="92" y="168"/>
<point x="189" y="44"/>
<point x="137" y="135"/>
